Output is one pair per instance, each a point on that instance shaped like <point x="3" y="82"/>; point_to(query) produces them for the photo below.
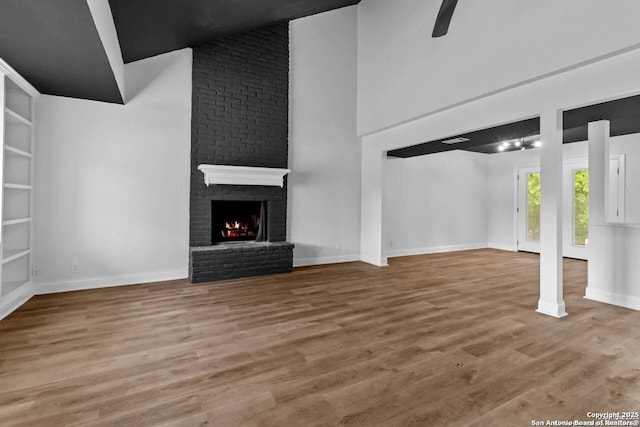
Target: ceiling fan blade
<point x="444" y="18"/>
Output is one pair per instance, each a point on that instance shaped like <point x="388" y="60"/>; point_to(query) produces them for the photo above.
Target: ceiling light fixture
<point x="518" y="143"/>
<point x="501" y="148"/>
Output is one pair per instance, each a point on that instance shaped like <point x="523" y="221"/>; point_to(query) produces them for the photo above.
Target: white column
<point x="2" y="153"/>
<point x="598" y="185"/>
<point x="598" y="171"/>
<point x="372" y="249"/>
<point x="551" y="293"/>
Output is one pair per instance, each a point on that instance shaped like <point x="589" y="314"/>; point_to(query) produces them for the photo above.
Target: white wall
<point x="614" y="271"/>
<point x="324" y="152"/>
<point x="112" y="181"/>
<point x="436" y="203"/>
<point x="404" y="73"/>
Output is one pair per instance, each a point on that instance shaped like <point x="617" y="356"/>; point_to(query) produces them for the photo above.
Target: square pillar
<point x="372" y="248"/>
<point x="600" y="251"/>
<point x="551" y="300"/>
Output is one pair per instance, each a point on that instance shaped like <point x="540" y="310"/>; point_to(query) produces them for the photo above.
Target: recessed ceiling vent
<point x="455" y="140"/>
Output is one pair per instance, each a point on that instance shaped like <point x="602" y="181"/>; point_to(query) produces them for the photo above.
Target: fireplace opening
<point x="234" y="221"/>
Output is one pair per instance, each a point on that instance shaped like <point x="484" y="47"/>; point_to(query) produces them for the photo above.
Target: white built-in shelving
<point x="16" y="192"/>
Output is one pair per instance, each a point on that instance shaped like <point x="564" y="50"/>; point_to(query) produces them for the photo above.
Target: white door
<point x="575" y="208"/>
<point x="575" y="230"/>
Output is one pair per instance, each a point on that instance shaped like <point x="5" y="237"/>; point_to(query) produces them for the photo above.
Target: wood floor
<point x="447" y="339"/>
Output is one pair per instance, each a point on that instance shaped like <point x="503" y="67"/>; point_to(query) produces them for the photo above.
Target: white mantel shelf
<point x="243" y="175"/>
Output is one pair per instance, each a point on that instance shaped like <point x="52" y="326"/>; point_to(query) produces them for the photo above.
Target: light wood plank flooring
<point x="445" y="339"/>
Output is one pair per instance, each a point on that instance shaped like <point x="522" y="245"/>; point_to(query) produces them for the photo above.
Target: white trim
<point x="618" y="225"/>
<point x="41" y="288"/>
<point x="304" y="262"/>
<point x="8" y="71"/>
<point x="15" y="299"/>
<point x="551" y="309"/>
<point x="502" y="247"/>
<point x="243" y="175"/>
<point x="15" y="117"/>
<point x="374" y="261"/>
<point x="435" y="250"/>
<point x="625" y="301"/>
<point x="577" y="160"/>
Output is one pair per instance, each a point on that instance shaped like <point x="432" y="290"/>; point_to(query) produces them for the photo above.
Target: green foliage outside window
<point x="581" y="208"/>
<point x="533" y="207"/>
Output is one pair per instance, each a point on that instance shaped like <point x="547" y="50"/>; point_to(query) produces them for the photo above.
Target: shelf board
<point x="8" y="287"/>
<point x="17" y="151"/>
<point x="17" y="186"/>
<point x="12" y="255"/>
<point x="15" y="117"/>
<point x="16" y="221"/>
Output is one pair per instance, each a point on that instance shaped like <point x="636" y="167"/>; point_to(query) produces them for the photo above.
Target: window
<point x="533" y="207"/>
<point x="581" y="207"/>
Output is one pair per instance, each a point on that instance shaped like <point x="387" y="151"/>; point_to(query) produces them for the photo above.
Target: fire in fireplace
<point x="238" y="221"/>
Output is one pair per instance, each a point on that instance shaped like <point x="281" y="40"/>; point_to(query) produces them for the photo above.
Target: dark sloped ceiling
<point x="55" y="45"/>
<point x="151" y="27"/>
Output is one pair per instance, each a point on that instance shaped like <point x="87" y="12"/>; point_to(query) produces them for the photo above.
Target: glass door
<point x="575" y="222"/>
<point x="528" y="210"/>
<point x="576" y="210"/>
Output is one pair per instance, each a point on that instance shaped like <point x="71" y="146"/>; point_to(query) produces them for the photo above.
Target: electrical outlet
<point x="35" y="270"/>
<point x="75" y="267"/>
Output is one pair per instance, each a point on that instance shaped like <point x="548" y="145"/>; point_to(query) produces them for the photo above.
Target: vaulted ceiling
<point x="55" y="45"/>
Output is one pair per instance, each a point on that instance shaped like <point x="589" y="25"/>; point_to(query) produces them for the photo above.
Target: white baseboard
<point x="51" y="287"/>
<point x="374" y="261"/>
<point x="625" y="301"/>
<point x="552" y="309"/>
<point x="502" y="247"/>
<point x="434" y="250"/>
<point x="304" y="262"/>
<point x="15" y="299"/>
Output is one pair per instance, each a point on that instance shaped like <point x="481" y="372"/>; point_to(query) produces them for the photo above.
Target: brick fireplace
<point x="240" y="118"/>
